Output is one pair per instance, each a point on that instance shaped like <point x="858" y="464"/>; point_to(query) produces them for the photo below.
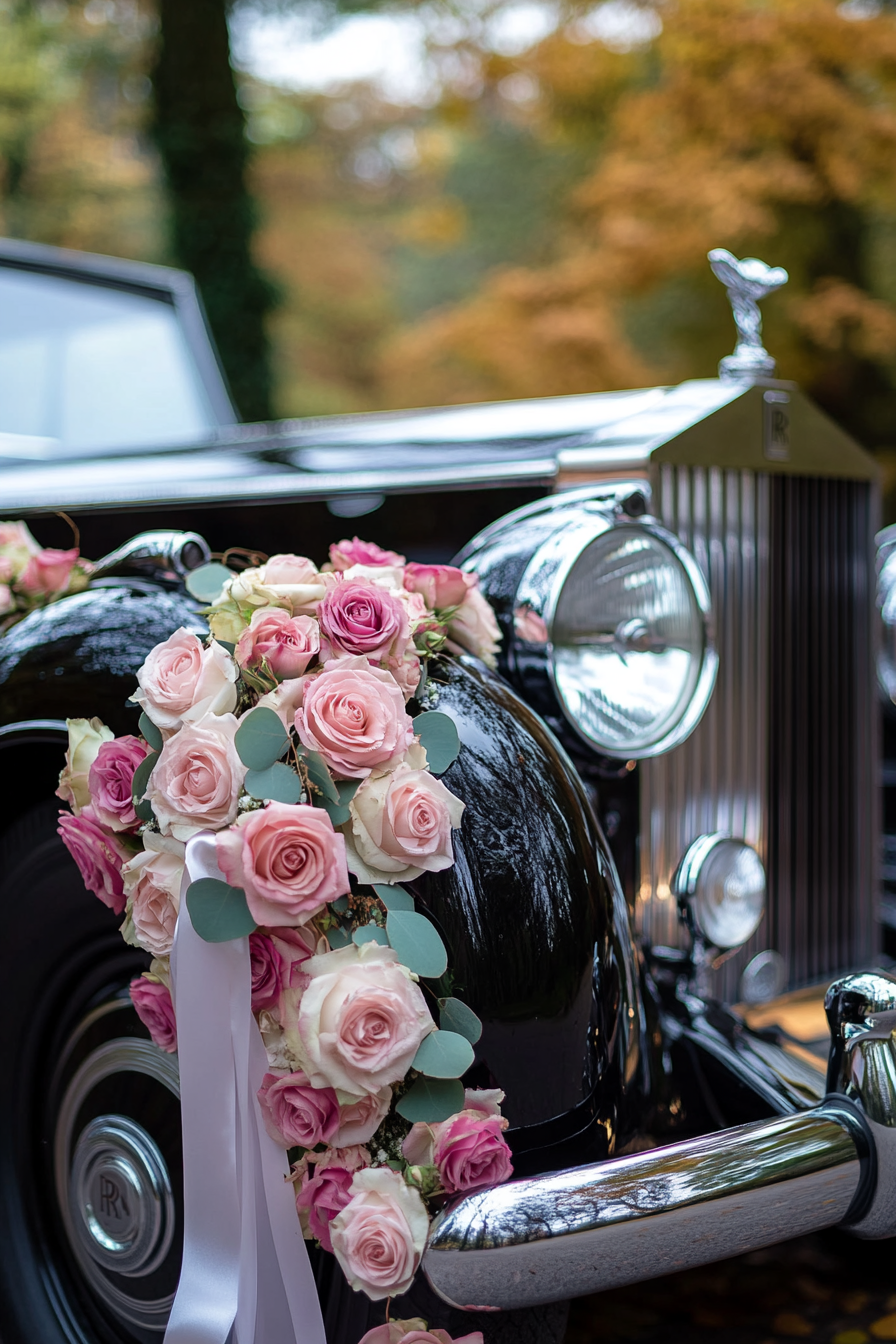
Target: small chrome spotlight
<point x="721" y="889"/>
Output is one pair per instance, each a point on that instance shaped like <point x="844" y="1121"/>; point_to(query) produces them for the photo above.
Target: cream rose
<point x="354" y="715"/>
<point x="402" y="821"/>
<point x="181" y="681"/>
<point x="197" y="779"/>
<point x="85" y="737"/>
<point x="378" y="1238"/>
<point x="152" y="882"/>
<point x="288" y="581"/>
<point x="361" y="1019"/>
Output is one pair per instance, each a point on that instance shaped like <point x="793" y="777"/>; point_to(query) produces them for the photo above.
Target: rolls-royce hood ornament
<point x="747" y="282"/>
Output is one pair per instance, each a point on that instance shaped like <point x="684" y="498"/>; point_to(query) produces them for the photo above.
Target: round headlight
<point x="606" y="619"/>
<point x="721" y="884"/>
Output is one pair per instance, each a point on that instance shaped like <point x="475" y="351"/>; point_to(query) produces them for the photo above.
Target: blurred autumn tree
<point x="764" y="127"/>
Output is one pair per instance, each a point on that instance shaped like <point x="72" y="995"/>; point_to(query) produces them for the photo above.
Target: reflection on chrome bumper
<point x="582" y="1231"/>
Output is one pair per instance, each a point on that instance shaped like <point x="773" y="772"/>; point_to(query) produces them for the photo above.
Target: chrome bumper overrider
<point x="568" y="1233"/>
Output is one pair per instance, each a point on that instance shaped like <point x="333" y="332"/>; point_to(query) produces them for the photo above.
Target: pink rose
<point x="406" y="671"/>
<point x="402" y="821"/>
<point x="181" y="681"/>
<point x="290" y="569"/>
<point x="197" y="779"/>
<point x="110" y="781"/>
<point x="473" y="627"/>
<point x="378" y="1238"/>
<point x="324" y="1192"/>
<point x="7" y="601"/>
<point x="295" y="945"/>
<point x="295" y="1114"/>
<point x="85" y="737"/>
<point x="360" y="1120"/>
<point x="17" y="535"/>
<point x="267" y="971"/>
<point x="48" y="572"/>
<point x="155" y="1010"/>
<point x="415" y="1332"/>
<point x="363" y="619"/>
<point x="361" y="1019"/>
<point x="152" y="881"/>
<point x="287" y="858"/>
<point x="440" y="586"/>
<point x="470" y="1151"/>
<point x="287" y="643"/>
<point x="344" y="554"/>
<point x="97" y="854"/>
<point x="354" y="715"/>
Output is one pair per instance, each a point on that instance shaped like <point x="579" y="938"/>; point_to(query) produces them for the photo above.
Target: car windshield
<point x="85" y="365"/>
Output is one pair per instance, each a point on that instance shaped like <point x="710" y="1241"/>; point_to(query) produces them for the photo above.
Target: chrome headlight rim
<point x="686" y="882"/>
<point x="542" y="584"/>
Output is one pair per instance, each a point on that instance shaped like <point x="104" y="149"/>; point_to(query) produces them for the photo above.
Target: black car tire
<point x="76" y="1061"/>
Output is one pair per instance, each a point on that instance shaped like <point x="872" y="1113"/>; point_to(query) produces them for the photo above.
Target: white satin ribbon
<point x="246" y="1277"/>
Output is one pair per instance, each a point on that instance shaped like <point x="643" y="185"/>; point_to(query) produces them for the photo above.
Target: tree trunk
<point x="199" y="131"/>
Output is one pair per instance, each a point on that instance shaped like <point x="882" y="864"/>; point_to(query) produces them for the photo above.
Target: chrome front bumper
<point x="574" y="1232"/>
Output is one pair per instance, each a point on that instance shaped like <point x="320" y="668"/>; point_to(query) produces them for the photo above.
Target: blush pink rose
<point x="287" y="858"/>
<point x="98" y="855"/>
<point x="474" y="628"/>
<point x="295" y="1114"/>
<point x="323" y="1193"/>
<point x="354" y="715"/>
<point x="344" y="554"/>
<point x="440" y="586"/>
<point x="287" y="643"/>
<point x="266" y="965"/>
<point x="414" y="1331"/>
<point x="152" y="881"/>
<point x="290" y="569"/>
<point x="48" y="572"/>
<point x="470" y="1151"/>
<point x="402" y="821"/>
<point x="363" y="619"/>
<point x="110" y="781"/>
<point x="197" y="779"/>
<point x="378" y="1238"/>
<point x="360" y="1120"/>
<point x="295" y="945"/>
<point x="181" y="681"/>
<point x="152" y="1002"/>
<point x="361" y="1019"/>
<point x="406" y="671"/>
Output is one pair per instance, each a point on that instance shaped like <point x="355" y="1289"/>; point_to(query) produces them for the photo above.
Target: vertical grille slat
<point x="786" y="753"/>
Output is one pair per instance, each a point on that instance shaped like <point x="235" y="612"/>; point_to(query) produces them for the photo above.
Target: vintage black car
<point x="684" y="578"/>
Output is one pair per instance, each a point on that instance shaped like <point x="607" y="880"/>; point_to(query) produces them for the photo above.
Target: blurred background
<point x="390" y="204"/>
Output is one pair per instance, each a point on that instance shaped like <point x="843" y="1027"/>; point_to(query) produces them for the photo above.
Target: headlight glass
<point x="724" y="881"/>
<point x="629" y="639"/>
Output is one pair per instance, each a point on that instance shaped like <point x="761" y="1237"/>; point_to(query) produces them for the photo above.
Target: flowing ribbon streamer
<point x="246" y="1277"/>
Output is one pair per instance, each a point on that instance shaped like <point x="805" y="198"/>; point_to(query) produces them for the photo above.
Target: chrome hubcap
<point x="120" y="1187"/>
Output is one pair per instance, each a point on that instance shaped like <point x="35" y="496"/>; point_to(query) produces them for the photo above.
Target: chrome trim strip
<point x="28" y="728"/>
<point x="632" y="1218"/>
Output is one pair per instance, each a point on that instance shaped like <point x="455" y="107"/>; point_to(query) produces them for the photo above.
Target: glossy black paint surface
<point x="535" y="922"/>
<point x="79" y="657"/>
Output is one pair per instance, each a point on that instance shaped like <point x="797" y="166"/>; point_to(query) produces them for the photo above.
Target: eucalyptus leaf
<point x="278" y="784"/>
<point x="394" y="898"/>
<point x="150" y="732"/>
<point x="340" y="905"/>
<point x="443" y="1054"/>
<point x="261" y="738"/>
<point x="417" y="943"/>
<point x="431" y="1100"/>
<point x="456" y="1016"/>
<point x="339" y="812"/>
<point x="338" y="938"/>
<point x="438" y="735"/>
<point x="319" y="776"/>
<point x="370" y="933"/>
<point x="206" y="582"/>
<point x="219" y="912"/>
<point x="139" y="783"/>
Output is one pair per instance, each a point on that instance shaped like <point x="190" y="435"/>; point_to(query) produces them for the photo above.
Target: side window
<point x="90" y="366"/>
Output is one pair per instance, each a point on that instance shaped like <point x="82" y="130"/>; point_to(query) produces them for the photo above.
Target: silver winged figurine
<point x="747" y="282"/>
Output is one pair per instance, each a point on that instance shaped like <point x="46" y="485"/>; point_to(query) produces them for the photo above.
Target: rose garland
<point x="33" y="575"/>
<point x="287" y="733"/>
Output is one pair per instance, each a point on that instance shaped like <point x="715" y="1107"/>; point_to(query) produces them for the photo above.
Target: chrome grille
<point x="784" y="756"/>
